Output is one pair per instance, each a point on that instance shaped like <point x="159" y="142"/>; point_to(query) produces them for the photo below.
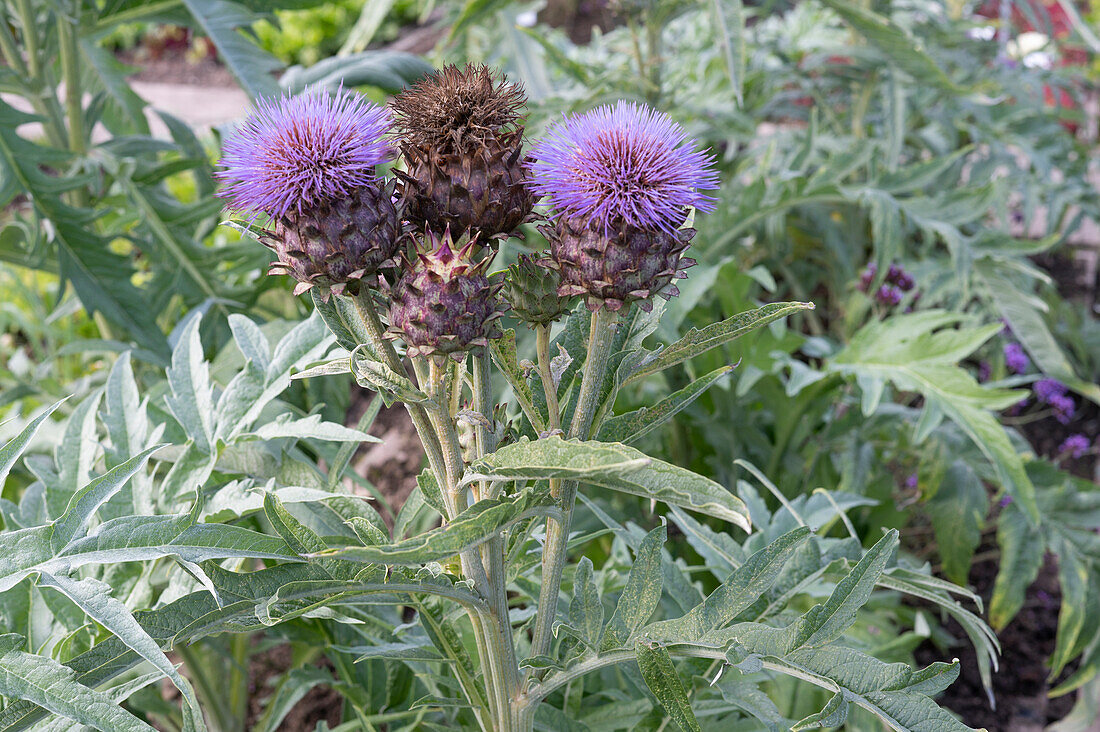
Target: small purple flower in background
<point x="1075" y="445"/>
<point x="1064" y="407"/>
<point x="1054" y="393"/>
<point x="1015" y="358"/>
<point x="626" y="164"/>
<point x="1047" y="389"/>
<point x="911" y="481"/>
<point x="985" y="371"/>
<point x="888" y="295"/>
<point x="868" y="276"/>
<point x="1005" y="500"/>
<point x="299" y="152"/>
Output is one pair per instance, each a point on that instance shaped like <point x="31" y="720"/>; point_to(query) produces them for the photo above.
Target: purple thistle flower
<point x="1015" y="358"/>
<point x="888" y="295"/>
<point x="1076" y="445"/>
<point x="299" y="152"/>
<point x="1005" y="500"/>
<point x="623" y="164"/>
<point x="911" y="481"/>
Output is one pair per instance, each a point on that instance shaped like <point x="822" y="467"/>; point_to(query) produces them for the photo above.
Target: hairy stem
<point x="419" y="416"/>
<point x="494" y="548"/>
<point x="600" y="338"/>
<point x="489" y="632"/>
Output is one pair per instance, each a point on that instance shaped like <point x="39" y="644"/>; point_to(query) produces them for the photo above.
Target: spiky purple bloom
<point x="626" y="164"/>
<point x="1015" y="358"/>
<point x="1075" y="445"/>
<point x="1005" y="500"/>
<point x="299" y="152"/>
<point x="911" y="481"/>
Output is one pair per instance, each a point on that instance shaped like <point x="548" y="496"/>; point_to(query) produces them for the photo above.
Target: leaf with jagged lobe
<point x="743" y="587"/>
<point x="42" y="681"/>
<point x="662" y="679"/>
<point x="697" y="341"/>
<point x="613" y="466"/>
<point x="11" y="451"/>
<point x="920" y="352"/>
<point x="641" y="594"/>
<point x="476" y="525"/>
<point x="632" y="426"/>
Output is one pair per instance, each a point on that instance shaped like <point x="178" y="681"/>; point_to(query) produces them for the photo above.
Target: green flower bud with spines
<point x="531" y="289"/>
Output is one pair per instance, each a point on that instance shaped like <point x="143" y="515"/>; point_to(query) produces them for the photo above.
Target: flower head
<point x="298" y="152"/>
<point x="456" y="110"/>
<point x="1047" y="389"/>
<point x="1075" y="446"/>
<point x="626" y="164"/>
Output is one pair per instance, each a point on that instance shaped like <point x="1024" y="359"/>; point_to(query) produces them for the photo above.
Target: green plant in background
<point x="220" y="505"/>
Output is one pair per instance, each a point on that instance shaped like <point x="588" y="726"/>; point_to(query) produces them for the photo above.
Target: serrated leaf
<point x="958" y="510"/>
<point x="1021" y="558"/>
<point x="699" y="341"/>
<point x="192" y="400"/>
<point x="614" y="466"/>
<point x="827" y="622"/>
<point x="918" y="352"/>
<point x="94" y="598"/>
<point x="251" y="65"/>
<point x="743" y="587"/>
<point x="632" y="426"/>
<point x="472" y="527"/>
<point x="86" y="501"/>
<point x="11" y="451"/>
<point x="50" y="685"/>
<point x="586" y="610"/>
<point x="377" y="376"/>
<point x="505" y="356"/>
<point x="660" y="676"/>
<point x="311" y="427"/>
<point x="251" y="340"/>
<point x="641" y="594"/>
<point x="895" y="44"/>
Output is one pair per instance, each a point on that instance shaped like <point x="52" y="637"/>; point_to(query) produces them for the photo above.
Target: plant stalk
<point x="74" y="108"/>
<point x="419" y="416"/>
<point x="600" y="338"/>
<point x="496" y="656"/>
<point x="549" y="388"/>
<point x="494" y="549"/>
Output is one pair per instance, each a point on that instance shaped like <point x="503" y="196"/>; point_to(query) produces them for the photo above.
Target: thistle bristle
<point x="458" y="109"/>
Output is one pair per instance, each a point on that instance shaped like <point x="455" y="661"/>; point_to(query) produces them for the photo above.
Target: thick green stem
<point x="488" y="634"/>
<point x="549" y="388"/>
<point x="74" y="108"/>
<point x="600" y="339"/>
<point x="41" y="92"/>
<point x="494" y="548"/>
<point x="373" y="325"/>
